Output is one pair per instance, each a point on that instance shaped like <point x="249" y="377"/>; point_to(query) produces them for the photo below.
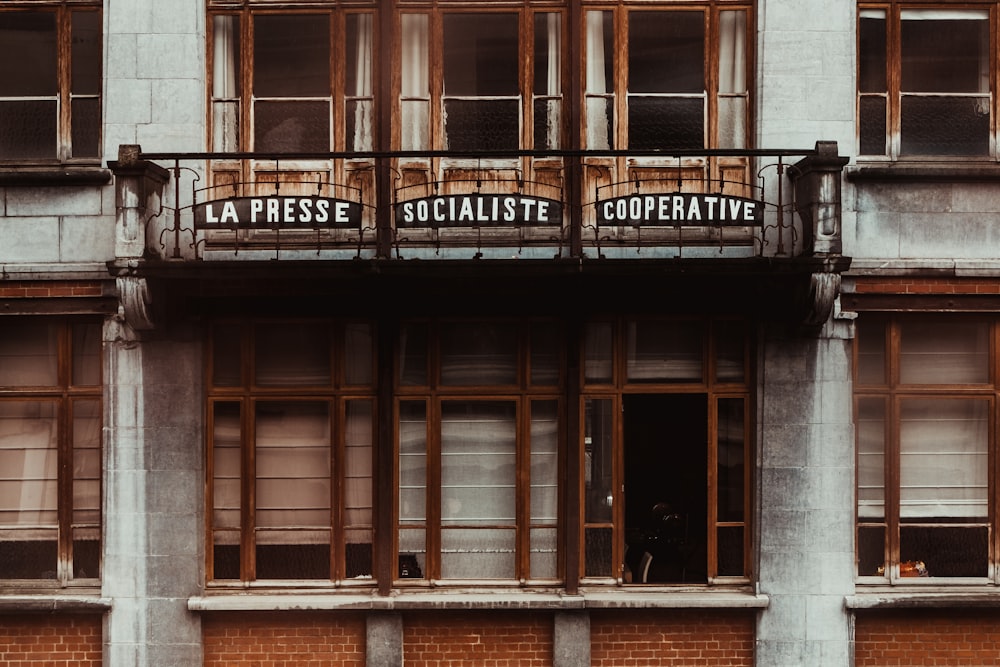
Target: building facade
<point x="535" y="332"/>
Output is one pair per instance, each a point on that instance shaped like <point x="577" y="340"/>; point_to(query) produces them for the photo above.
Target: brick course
<point x="898" y="285"/>
<point x="675" y="638"/>
<point x="927" y="638"/>
<point x="22" y="289"/>
<point x="50" y="641"/>
<point x="285" y="639"/>
<point x="483" y="639"/>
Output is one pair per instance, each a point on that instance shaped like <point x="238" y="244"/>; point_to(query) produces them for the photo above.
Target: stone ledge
<point x="24" y="604"/>
<point x="483" y="600"/>
<point x="978" y="597"/>
<point x="55" y="175"/>
<point x="922" y="172"/>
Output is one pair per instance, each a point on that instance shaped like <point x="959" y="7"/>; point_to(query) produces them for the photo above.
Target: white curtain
<point x="225" y="82"/>
<point x="598" y="100"/>
<point x="362" y="139"/>
<point x="553" y="81"/>
<point x="732" y="79"/>
<point x="415" y="82"/>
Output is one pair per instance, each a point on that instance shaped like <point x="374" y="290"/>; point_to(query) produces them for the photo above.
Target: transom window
<point x="50" y="450"/>
<point x="50" y="81"/>
<point x="291" y="410"/>
<point x="925" y="408"/>
<point x="925" y="80"/>
<point x="666" y="78"/>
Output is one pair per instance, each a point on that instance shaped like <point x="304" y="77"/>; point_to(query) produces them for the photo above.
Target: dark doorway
<point x="666" y="480"/>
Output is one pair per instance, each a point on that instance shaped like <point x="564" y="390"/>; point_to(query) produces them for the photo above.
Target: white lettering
<point x="323" y="210"/>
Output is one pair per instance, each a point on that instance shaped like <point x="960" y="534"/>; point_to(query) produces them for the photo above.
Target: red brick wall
<point x="285" y="639"/>
<point x="496" y="639"/>
<point x="26" y="288"/>
<point x="50" y="641"/>
<point x="898" y="285"/>
<point x="920" y="638"/>
<point x="676" y="638"/>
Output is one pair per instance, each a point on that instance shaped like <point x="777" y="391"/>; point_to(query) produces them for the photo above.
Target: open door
<point x="666" y="487"/>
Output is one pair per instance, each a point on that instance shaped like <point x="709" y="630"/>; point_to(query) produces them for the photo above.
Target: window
<point x="666" y="455"/>
<point x="478" y="449"/>
<point x="471" y="92"/>
<point x="292" y="82"/>
<point x="50" y="81"/>
<point x="925" y="409"/>
<point x="50" y="450"/>
<point x="291" y="410"/>
<point x="925" y="81"/>
<point x="681" y="82"/>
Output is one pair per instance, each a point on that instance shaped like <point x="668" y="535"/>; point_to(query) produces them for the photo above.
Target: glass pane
<point x="30" y="558"/>
<point x="227" y="361"/>
<point x="732" y="122"/>
<point x="597" y="552"/>
<point x="291" y="126"/>
<point x="944" y="462"/>
<point x="478" y="354"/>
<point x="28" y="52"/>
<point x="730" y="351"/>
<point x="666" y="122"/>
<point x="547" y="75"/>
<point x="85" y="59"/>
<point x="226" y="56"/>
<point x="870" y="424"/>
<point x="226" y="126"/>
<point x="665" y="351"/>
<point x="358" y="121"/>
<point x="412" y="553"/>
<point x="945" y="125"/>
<point x="28" y="129"/>
<point x="358" y="353"/>
<point x="475" y="553"/>
<point x="86" y="127"/>
<point x="544" y="462"/>
<point x="666" y="52"/>
<point x="545" y="360"/>
<point x="732" y="52"/>
<point x="358" y="464"/>
<point x="358" y="71"/>
<point x="943" y="551"/>
<point x="544" y="551"/>
<point x="415" y="82"/>
<point x="87" y="354"/>
<point x="482" y="124"/>
<point x="480" y="55"/>
<point x="87" y="462"/>
<point x="28" y="463"/>
<point x="548" y="123"/>
<point x="412" y="462"/>
<point x="870" y="341"/>
<point x="731" y="459"/>
<point x="226" y="466"/>
<point x="872" y="118"/>
<point x="944" y="55"/>
<point x="871" y="551"/>
<point x="28" y="354"/>
<point x="598" y="459"/>
<point x="413" y="355"/>
<point x="291" y="55"/>
<point x="478" y="462"/>
<point x="872" y="52"/>
<point x="944" y="352"/>
<point x="730" y="556"/>
<point x="598" y="356"/>
<point x="292" y="354"/>
<point x="600" y="123"/>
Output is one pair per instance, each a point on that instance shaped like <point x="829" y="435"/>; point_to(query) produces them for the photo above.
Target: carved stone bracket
<point x="824" y="288"/>
<point x="133" y="293"/>
<point x="817" y="181"/>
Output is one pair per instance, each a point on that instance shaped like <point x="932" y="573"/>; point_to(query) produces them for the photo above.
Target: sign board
<point x="277" y="212"/>
<point x="478" y="210"/>
<point x="680" y="209"/>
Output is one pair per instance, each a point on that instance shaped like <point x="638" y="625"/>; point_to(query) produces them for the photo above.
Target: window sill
<point x="55" y="175"/>
<point x="492" y="599"/>
<point x="943" y="172"/>
<point x="974" y="596"/>
<point x="58" y="602"/>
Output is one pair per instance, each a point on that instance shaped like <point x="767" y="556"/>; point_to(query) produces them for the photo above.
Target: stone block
<point x="29" y="239"/>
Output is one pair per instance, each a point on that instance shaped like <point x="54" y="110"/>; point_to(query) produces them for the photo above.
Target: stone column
<point x="805" y="512"/>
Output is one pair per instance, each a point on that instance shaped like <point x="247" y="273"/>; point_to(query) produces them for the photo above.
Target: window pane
<point x="544" y="552"/>
<point x="872" y="119"/>
<point x="545" y="360"/>
<point x="547" y="80"/>
<point x="478" y="354"/>
<point x="291" y="126"/>
<point x="944" y="55"/>
<point x="226" y="491"/>
<point x="870" y="423"/>
<point x="291" y="55"/>
<point x="413" y="355"/>
<point x="86" y="462"/>
<point x="731" y="460"/>
<point x="548" y="123"/>
<point x="666" y="122"/>
<point x="945" y="125"/>
<point x="598" y="352"/>
<point x="665" y="352"/>
<point x="358" y="353"/>
<point x="871" y="350"/>
<point x="86" y="127"/>
<point x="359" y="81"/>
<point x="598" y="460"/>
<point x="730" y="556"/>
<point x="600" y="79"/>
<point x="292" y="354"/>
<point x="28" y="464"/>
<point x="28" y="129"/>
<point x="666" y="52"/>
<point x="86" y="53"/>
<point x="944" y="551"/>
<point x="730" y="351"/>
<point x="415" y="81"/>
<point x="227" y="361"/>
<point x="28" y="354"/>
<point x="872" y="52"/>
<point x="944" y="352"/>
<point x="358" y="490"/>
<point x="478" y="456"/>
<point x="480" y="55"/>
<point x="468" y="553"/>
<point x="28" y="54"/>
<point x="482" y="124"/>
<point x="944" y="460"/>
<point x="412" y="463"/>
<point x="544" y="462"/>
<point x="86" y="354"/>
